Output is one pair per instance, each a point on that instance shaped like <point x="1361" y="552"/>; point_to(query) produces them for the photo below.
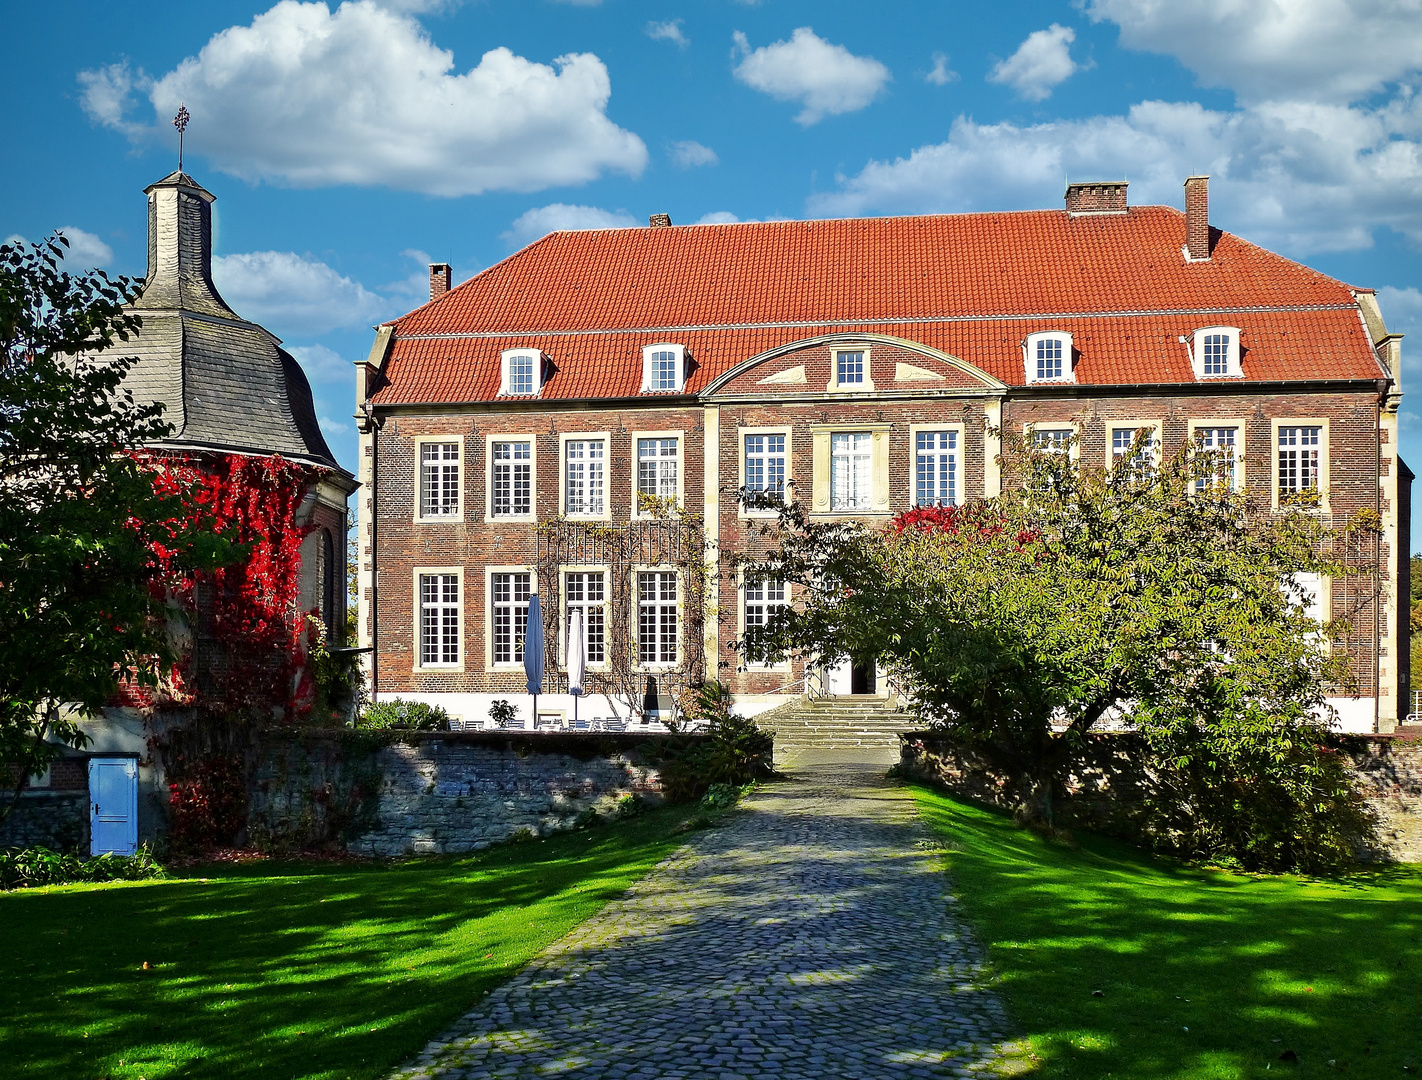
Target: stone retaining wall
<point x="435" y="792"/>
<point x="1108" y="782"/>
<point x="58" y="820"/>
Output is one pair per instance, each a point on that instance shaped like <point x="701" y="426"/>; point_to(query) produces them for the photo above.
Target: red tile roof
<point x="972" y="285"/>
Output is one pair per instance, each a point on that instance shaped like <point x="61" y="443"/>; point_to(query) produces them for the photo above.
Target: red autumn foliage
<point x="973" y="518"/>
<point x="246" y="614"/>
<point x="208" y="806"/>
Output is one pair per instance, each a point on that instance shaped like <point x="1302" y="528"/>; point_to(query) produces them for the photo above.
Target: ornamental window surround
<point x="1121" y="437"/>
<point x="521" y="373"/>
<point x="584" y="475"/>
<point x="585" y="590"/>
<point x="1047" y="357"/>
<point x="1301" y="462"/>
<point x="439" y="606"/>
<point x="657" y="472"/>
<point x="760" y="599"/>
<point x="439" y="484"/>
<point x="938" y="479"/>
<point x="658" y="611"/>
<point x="511" y="477"/>
<point x="509" y="591"/>
<point x="849" y="369"/>
<point x="1214" y="352"/>
<point x="663" y="368"/>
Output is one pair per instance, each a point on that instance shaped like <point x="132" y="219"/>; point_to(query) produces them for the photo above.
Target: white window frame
<point x="864" y="501"/>
<point x="823" y="472"/>
<point x="585" y="436"/>
<point x="457" y="572"/>
<point x="960" y="430"/>
<point x="741" y="433"/>
<point x="489" y="572"/>
<point x="566" y="613"/>
<point x="489" y="515"/>
<point x="1197" y="352"/>
<point x="650" y="351"/>
<point x="850" y="387"/>
<point x="783" y="665"/>
<point x="420" y="443"/>
<point x="1324" y="454"/>
<point x="1029" y="434"/>
<point x="1240" y="438"/>
<point x="1029" y="357"/>
<point x="506" y="379"/>
<point x="656" y="666"/>
<point x="680" y="437"/>
<point x="1112" y="426"/>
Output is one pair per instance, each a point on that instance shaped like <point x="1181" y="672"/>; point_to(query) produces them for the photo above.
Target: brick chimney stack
<point x="1197" y="219"/>
<point x="1096" y="198"/>
<point x="660" y="221"/>
<point x="440" y="273"/>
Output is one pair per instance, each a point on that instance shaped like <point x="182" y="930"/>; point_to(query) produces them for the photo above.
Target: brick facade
<point x="940" y="308"/>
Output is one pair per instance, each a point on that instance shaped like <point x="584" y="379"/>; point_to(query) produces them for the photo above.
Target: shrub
<point x="23" y="868"/>
<point x="405" y="715"/>
<point x="502" y="714"/>
<point x="733" y="752"/>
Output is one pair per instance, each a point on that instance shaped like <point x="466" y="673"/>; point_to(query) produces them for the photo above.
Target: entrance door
<point x="113" y="806"/>
<point x="847" y="677"/>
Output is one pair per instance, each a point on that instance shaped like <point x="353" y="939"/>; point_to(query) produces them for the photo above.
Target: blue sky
<point x="350" y="145"/>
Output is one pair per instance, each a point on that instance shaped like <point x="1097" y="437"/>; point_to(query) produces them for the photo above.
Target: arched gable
<point x="896" y="367"/>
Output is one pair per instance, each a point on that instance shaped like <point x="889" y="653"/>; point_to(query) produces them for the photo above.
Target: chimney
<point x="1083" y="200"/>
<point x="1197" y="219"/>
<point x="660" y="221"/>
<point x="439" y="279"/>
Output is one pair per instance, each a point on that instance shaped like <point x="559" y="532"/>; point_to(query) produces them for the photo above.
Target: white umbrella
<point x="576" y="659"/>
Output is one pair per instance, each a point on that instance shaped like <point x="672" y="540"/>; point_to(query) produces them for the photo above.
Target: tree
<point x="82" y="597"/>
<point x="1156" y="594"/>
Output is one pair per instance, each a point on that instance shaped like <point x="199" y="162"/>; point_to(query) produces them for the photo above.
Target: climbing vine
<point x="245" y="654"/>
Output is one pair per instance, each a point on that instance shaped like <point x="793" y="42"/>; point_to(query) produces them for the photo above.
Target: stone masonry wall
<point x="58" y="820"/>
<point x="1109" y="780"/>
<point x="437" y="792"/>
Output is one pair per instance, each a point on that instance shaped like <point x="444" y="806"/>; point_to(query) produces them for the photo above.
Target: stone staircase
<point x="837" y="724"/>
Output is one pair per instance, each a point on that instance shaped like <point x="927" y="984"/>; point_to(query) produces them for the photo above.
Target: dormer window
<point x="849" y="369"/>
<point x="522" y="373"/>
<point x="663" y="368"/>
<point x="1047" y="357"/>
<point x="1215" y="353"/>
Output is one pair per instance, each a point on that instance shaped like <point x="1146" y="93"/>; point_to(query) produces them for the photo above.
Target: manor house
<point x="862" y="364"/>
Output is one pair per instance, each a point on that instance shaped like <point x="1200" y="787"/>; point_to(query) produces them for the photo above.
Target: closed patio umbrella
<point x="576" y="659"/>
<point x="533" y="652"/>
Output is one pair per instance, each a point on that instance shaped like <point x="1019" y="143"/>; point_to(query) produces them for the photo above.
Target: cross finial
<point x="181" y="123"/>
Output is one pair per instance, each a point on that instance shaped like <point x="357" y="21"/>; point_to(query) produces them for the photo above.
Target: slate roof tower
<point x="227" y="383"/>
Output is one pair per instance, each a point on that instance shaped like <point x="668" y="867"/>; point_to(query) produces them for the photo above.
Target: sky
<point x="350" y="145"/>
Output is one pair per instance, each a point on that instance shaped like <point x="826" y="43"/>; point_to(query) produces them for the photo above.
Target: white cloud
<point x="668" y="31"/>
<point x="321" y="364"/>
<point x="329" y="425"/>
<point x="1295" y="177"/>
<point x="689" y="154"/>
<point x="1040" y="63"/>
<point x="311" y="97"/>
<point x="86" y="248"/>
<point x="542" y="220"/>
<point x="294" y="296"/>
<point x="717" y="217"/>
<point x="826" y="79"/>
<point x="942" y="74"/>
<point x="1321" y="50"/>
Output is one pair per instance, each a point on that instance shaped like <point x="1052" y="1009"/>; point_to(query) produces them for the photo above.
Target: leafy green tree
<point x="82" y="600"/>
<point x="1155" y="594"/>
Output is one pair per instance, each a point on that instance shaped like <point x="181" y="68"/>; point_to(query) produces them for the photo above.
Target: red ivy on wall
<point x="244" y="617"/>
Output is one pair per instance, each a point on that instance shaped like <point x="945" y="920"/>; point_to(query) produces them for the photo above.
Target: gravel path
<point x="810" y="936"/>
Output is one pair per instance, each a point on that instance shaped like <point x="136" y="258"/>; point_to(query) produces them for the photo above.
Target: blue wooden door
<point x="113" y="806"/>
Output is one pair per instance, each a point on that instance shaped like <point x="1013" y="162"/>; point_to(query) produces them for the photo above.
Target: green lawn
<point x="291" y="970"/>
<point x="1203" y="974"/>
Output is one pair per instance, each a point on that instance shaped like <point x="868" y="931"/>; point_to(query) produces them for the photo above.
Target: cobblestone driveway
<point x="808" y="937"/>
